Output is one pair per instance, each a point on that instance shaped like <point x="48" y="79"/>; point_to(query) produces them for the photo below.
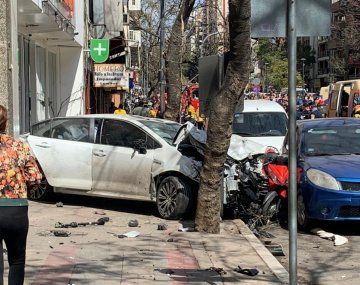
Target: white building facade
<point x="52" y="37"/>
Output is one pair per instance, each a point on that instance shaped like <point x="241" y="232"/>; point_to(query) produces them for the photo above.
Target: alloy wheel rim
<point x="167" y="198"/>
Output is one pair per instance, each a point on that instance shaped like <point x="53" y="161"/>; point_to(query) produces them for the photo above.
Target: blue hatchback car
<point x="329" y="156"/>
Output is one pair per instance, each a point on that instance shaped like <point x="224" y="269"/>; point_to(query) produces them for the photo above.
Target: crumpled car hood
<point x="240" y="147"/>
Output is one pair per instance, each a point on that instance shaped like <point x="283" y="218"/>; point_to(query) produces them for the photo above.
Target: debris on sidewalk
<point x="59" y="204"/>
<point x="170" y="240"/>
<point x="162" y="227"/>
<point x="218" y="270"/>
<point x="188" y="229"/>
<point x="133" y="223"/>
<point x="248" y="272"/>
<point x="99" y="222"/>
<point x="101" y="213"/>
<point x="132" y="234"/>
<point x="274" y="248"/>
<point x="61" y="233"/>
<point x="337" y="239"/>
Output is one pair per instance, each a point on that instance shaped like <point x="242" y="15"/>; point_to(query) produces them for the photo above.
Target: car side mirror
<point x="140" y="146"/>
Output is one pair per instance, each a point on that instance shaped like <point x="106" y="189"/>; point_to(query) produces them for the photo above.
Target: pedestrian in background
<point x="17" y="170"/>
<point x="120" y="110"/>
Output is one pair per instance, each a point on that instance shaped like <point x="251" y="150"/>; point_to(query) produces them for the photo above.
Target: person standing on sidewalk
<point x="17" y="170"/>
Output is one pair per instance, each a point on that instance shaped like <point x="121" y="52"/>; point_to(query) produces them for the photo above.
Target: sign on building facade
<point x="99" y="50"/>
<point x="111" y="76"/>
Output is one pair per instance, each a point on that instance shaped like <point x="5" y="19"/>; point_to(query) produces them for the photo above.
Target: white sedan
<point x="116" y="156"/>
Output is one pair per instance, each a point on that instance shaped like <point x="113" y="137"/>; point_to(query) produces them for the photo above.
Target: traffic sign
<point x="268" y="18"/>
<point x="99" y="50"/>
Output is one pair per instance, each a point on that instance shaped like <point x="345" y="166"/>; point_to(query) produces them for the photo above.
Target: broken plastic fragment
<point x="132" y="234"/>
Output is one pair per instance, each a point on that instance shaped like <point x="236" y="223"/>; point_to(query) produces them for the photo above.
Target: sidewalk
<point x="92" y="255"/>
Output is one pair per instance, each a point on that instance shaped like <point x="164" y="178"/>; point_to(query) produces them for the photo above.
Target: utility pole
<point x="9" y="70"/>
<point x="162" y="59"/>
<point x="291" y="30"/>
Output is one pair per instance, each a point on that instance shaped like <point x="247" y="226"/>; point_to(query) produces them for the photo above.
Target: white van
<point x="260" y="125"/>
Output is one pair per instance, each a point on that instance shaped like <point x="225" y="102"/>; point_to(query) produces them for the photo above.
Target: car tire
<point x="304" y="223"/>
<point x="271" y="206"/>
<point x="174" y="198"/>
<point x="40" y="192"/>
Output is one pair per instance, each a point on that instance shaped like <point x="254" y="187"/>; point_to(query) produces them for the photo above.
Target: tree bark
<point x="173" y="60"/>
<point x="221" y="117"/>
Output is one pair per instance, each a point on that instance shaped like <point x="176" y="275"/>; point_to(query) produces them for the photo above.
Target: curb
<point x="274" y="265"/>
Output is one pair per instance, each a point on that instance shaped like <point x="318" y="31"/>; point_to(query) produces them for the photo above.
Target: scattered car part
<point x="162" y="227"/>
<point x="132" y="234"/>
<point x="337" y="239"/>
<point x="248" y="272"/>
<point x="59" y="204"/>
<point x="99" y="222"/>
<point x="275" y="249"/>
<point x="100" y="213"/>
<point x="218" y="270"/>
<point x="133" y="223"/>
<point x="61" y="233"/>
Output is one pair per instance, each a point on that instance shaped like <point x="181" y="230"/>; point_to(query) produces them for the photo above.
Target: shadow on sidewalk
<point x="120" y="205"/>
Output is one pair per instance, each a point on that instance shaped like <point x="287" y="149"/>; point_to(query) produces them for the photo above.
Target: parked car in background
<point x="261" y="124"/>
<point x="329" y="158"/>
<point x="115" y="156"/>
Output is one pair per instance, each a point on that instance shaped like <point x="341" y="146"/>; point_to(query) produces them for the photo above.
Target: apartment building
<point x="51" y="41"/>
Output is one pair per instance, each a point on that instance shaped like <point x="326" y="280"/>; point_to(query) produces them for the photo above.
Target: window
<point x="132" y="35"/>
<point x="71" y="129"/>
<point x="260" y="124"/>
<point x="134" y="2"/>
<point x="119" y="133"/>
<point x="125" y="19"/>
<point x="333" y="100"/>
<point x="42" y="129"/>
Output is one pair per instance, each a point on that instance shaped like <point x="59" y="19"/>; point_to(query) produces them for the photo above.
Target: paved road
<point x="319" y="261"/>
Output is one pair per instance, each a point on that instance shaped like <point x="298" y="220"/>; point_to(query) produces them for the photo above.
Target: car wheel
<point x="271" y="207"/>
<point x="303" y="220"/>
<point x="40" y="192"/>
<point x="173" y="198"/>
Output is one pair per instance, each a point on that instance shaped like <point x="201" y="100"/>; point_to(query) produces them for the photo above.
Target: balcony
<point x="47" y="20"/>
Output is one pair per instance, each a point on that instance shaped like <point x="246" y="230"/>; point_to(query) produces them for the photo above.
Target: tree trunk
<point x="174" y="59"/>
<point x="221" y="117"/>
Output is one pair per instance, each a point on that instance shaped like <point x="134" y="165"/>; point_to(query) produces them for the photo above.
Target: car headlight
<point x="322" y="179"/>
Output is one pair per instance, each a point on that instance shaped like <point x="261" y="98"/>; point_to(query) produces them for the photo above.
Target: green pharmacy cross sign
<point x="99" y="50"/>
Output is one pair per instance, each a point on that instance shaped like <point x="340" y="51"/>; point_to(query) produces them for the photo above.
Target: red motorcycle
<point x="276" y="169"/>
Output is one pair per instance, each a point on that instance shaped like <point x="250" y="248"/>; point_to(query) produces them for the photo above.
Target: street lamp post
<point x="303" y="72"/>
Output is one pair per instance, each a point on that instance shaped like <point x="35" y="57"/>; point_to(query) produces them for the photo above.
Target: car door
<point x="65" y="151"/>
<point x="119" y="169"/>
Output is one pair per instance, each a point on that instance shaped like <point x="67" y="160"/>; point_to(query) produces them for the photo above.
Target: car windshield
<point x="342" y="140"/>
<point x="165" y="130"/>
<point x="259" y="124"/>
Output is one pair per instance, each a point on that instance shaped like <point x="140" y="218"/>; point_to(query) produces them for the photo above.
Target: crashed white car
<point x="116" y="156"/>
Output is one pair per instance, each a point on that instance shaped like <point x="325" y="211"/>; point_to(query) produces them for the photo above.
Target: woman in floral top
<point x="17" y="169"/>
